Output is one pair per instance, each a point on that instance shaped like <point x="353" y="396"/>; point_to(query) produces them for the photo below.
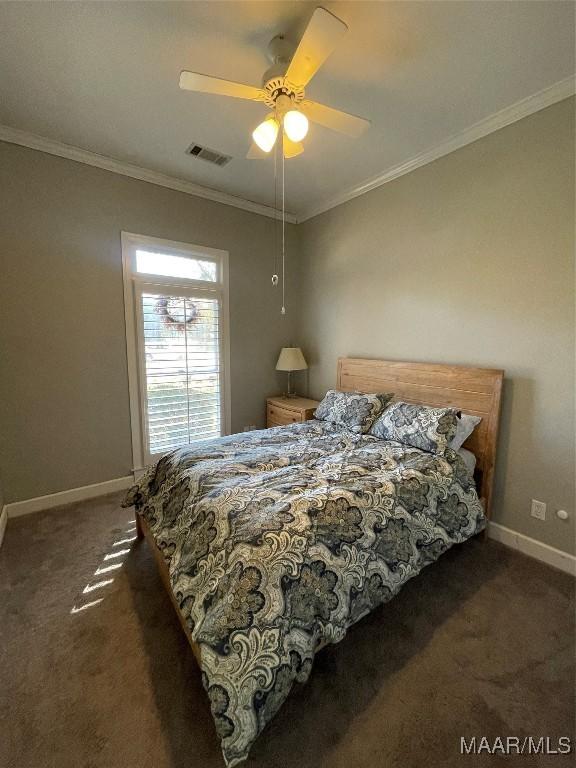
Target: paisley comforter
<point x="279" y="540"/>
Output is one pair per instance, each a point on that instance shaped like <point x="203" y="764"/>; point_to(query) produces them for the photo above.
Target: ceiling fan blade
<point x="292" y="148"/>
<point x="255" y="153"/>
<point x="351" y="125"/>
<point x="194" y="81"/>
<point x="321" y="37"/>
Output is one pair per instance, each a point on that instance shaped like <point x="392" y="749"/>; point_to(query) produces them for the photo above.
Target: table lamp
<point x="291" y="359"/>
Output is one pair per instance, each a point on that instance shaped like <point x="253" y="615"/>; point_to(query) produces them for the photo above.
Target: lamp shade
<point x="291" y="359"/>
<point x="265" y="134"/>
<point x="295" y="125"/>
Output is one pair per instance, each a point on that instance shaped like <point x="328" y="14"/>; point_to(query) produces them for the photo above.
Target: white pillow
<point x="468" y="458"/>
<point x="464" y="427"/>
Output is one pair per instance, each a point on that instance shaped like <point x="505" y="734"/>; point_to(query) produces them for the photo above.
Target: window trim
<point x="136" y="281"/>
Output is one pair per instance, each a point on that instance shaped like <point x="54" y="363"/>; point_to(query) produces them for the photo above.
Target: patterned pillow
<point x="354" y="410"/>
<point x="430" y="429"/>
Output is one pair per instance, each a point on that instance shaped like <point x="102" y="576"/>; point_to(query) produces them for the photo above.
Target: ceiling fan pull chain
<point x="283" y="238"/>
<point x="275" y="220"/>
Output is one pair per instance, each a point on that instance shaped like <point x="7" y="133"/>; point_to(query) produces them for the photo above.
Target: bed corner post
<point x="139" y="529"/>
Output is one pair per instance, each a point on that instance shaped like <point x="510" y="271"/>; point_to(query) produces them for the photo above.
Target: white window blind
<point x="182" y="369"/>
<point x="176" y="297"/>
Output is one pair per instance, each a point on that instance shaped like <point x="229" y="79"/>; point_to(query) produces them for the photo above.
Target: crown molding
<point x="78" y="155"/>
<point x="523" y="108"/>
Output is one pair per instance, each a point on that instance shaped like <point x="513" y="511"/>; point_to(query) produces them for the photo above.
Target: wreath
<point x="177" y="314"/>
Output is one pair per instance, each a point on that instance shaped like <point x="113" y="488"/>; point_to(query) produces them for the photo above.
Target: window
<point x="168" y="265"/>
<point x="176" y="331"/>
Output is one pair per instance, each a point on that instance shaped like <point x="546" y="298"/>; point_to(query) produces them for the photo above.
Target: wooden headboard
<point x="471" y="390"/>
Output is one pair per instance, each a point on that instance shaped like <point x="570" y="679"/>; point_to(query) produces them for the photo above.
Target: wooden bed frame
<point x="476" y="391"/>
<point x="144" y="532"/>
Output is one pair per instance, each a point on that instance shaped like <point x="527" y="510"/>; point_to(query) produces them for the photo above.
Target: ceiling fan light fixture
<point x="265" y="134"/>
<point x="283" y="89"/>
<point x="295" y="125"/>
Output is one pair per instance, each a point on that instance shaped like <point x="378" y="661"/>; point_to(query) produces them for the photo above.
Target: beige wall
<point x="467" y="260"/>
<point x="64" y="410"/>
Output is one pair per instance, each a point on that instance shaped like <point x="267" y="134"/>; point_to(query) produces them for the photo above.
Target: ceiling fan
<point x="283" y="87"/>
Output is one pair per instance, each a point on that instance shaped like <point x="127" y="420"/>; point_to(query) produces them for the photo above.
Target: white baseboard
<point x="39" y="503"/>
<point x="3" y="521"/>
<point x="533" y="548"/>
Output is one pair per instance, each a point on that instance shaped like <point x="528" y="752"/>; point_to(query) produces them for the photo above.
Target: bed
<point x="273" y="543"/>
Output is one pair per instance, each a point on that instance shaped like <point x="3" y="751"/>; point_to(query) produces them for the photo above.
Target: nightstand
<point x="289" y="410"/>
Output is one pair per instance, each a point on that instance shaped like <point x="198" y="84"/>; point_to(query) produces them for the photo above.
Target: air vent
<point x="209" y="155"/>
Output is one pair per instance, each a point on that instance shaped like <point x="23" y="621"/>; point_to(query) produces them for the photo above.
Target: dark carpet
<point x="481" y="643"/>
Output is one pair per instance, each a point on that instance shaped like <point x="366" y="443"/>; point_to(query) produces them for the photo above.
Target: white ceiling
<point x="103" y="76"/>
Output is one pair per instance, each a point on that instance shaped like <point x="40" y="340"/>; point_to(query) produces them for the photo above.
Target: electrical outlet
<point x="538" y="509"/>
